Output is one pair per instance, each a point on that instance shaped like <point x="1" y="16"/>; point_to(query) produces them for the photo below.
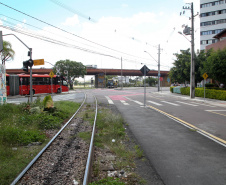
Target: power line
<point x="73" y="11"/>
<point x="67" y="31"/>
<point x="53" y="41"/>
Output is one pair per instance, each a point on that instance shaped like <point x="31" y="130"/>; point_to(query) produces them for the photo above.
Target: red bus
<point x="19" y="84"/>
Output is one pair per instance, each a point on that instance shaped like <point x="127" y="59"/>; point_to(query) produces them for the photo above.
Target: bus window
<point x="7" y="81"/>
<point x="64" y="83"/>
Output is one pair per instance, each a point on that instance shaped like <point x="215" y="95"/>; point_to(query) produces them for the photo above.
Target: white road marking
<point x="109" y="100"/>
<point x="124" y="102"/>
<point x="138" y="102"/>
<point x="203" y="104"/>
<point x="155" y="103"/>
<point x="187" y="103"/>
<point x="170" y="103"/>
<point x="215" y="110"/>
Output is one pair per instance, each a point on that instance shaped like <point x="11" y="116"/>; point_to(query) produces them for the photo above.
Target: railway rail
<point x="66" y="159"/>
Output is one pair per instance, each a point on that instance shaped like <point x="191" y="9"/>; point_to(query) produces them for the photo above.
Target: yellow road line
<point x="190" y="125"/>
<point x="217" y="113"/>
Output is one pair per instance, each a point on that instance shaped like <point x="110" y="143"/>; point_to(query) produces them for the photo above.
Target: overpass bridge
<point x="100" y="73"/>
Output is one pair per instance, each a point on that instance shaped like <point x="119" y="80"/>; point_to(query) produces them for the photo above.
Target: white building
<point x="212" y="20"/>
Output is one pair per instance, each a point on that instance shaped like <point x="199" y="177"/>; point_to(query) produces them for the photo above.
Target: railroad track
<point x="66" y="159"/>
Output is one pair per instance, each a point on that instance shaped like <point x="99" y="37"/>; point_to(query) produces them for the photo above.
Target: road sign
<point x="51" y="74"/>
<point x="143" y="68"/>
<point x="168" y="80"/>
<point x="38" y="62"/>
<point x="205" y="76"/>
<point x="161" y="79"/>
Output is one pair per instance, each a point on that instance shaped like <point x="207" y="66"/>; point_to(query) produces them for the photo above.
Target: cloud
<point x="125" y="5"/>
<point x="71" y="21"/>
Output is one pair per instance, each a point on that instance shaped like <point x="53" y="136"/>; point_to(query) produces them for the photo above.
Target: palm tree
<point x="7" y="52"/>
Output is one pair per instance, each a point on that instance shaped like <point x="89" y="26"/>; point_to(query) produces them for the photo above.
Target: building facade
<point x="212" y="20"/>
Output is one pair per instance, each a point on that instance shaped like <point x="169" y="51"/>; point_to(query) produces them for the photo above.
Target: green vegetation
<point x="74" y="69"/>
<point x="108" y="181"/>
<point x="111" y="134"/>
<point x="211" y="62"/>
<point x="26" y="124"/>
<point x="210" y="93"/>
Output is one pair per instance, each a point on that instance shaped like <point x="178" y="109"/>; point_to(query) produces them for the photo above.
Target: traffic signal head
<point x="26" y="64"/>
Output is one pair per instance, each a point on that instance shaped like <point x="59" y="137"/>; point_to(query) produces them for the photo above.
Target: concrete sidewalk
<point x="214" y="102"/>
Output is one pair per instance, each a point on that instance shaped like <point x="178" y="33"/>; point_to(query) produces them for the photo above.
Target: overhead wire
<point x="67" y="31"/>
<point x="54" y="41"/>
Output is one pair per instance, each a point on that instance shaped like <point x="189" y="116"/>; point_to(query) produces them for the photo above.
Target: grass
<point x="110" y="126"/>
<point x="20" y="126"/>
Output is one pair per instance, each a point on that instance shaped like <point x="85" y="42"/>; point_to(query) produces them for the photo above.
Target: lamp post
<point x="158" y="62"/>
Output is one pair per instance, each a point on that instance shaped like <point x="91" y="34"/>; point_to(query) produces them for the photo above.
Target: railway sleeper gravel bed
<point x="64" y="160"/>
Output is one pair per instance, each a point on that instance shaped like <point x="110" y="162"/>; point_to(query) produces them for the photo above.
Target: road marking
<point x="124" y="102"/>
<point x="155" y="103"/>
<point x="216" y="112"/>
<point x="187" y="103"/>
<point x="138" y="102"/>
<point x="134" y="101"/>
<point x="204" y="133"/>
<point x="109" y="100"/>
<point x="203" y="104"/>
<point x="170" y="103"/>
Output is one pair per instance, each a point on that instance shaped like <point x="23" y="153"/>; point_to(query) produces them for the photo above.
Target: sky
<point x="98" y="32"/>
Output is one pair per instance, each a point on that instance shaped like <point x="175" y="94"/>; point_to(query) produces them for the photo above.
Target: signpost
<point x="38" y="62"/>
<point x="144" y="70"/>
<point x="205" y="76"/>
<point x="51" y="74"/>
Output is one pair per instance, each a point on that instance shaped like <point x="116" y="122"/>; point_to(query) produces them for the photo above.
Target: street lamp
<point x="158" y="62"/>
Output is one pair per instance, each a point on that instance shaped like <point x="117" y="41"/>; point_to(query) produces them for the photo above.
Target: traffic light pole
<point x="30" y="54"/>
<point x="31" y="91"/>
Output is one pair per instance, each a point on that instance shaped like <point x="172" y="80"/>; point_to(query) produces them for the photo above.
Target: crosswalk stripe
<point x="187" y="103"/>
<point x="124" y="102"/>
<point x="203" y="104"/>
<point x="170" y="103"/>
<point x="155" y="103"/>
<point x="138" y="102"/>
<point x="109" y="100"/>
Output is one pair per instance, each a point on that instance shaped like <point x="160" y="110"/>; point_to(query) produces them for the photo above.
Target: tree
<point x="8" y="52"/>
<point x="151" y="81"/>
<point x="215" y="66"/>
<point x="181" y="70"/>
<point x="75" y="70"/>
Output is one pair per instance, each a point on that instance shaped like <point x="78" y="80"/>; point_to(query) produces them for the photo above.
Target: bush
<point x="210" y="93"/>
<point x="185" y="91"/>
<point x="171" y="89"/>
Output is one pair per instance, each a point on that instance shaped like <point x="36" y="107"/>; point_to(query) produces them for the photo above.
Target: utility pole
<point x="192" y="77"/>
<point x="159" y="68"/>
<point x="121" y="75"/>
<point x="192" y="68"/>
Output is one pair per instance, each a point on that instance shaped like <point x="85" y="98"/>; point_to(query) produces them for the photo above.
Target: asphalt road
<point x="180" y="155"/>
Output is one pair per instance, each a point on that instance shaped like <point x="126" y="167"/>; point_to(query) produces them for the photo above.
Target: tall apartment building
<point x="212" y="20"/>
